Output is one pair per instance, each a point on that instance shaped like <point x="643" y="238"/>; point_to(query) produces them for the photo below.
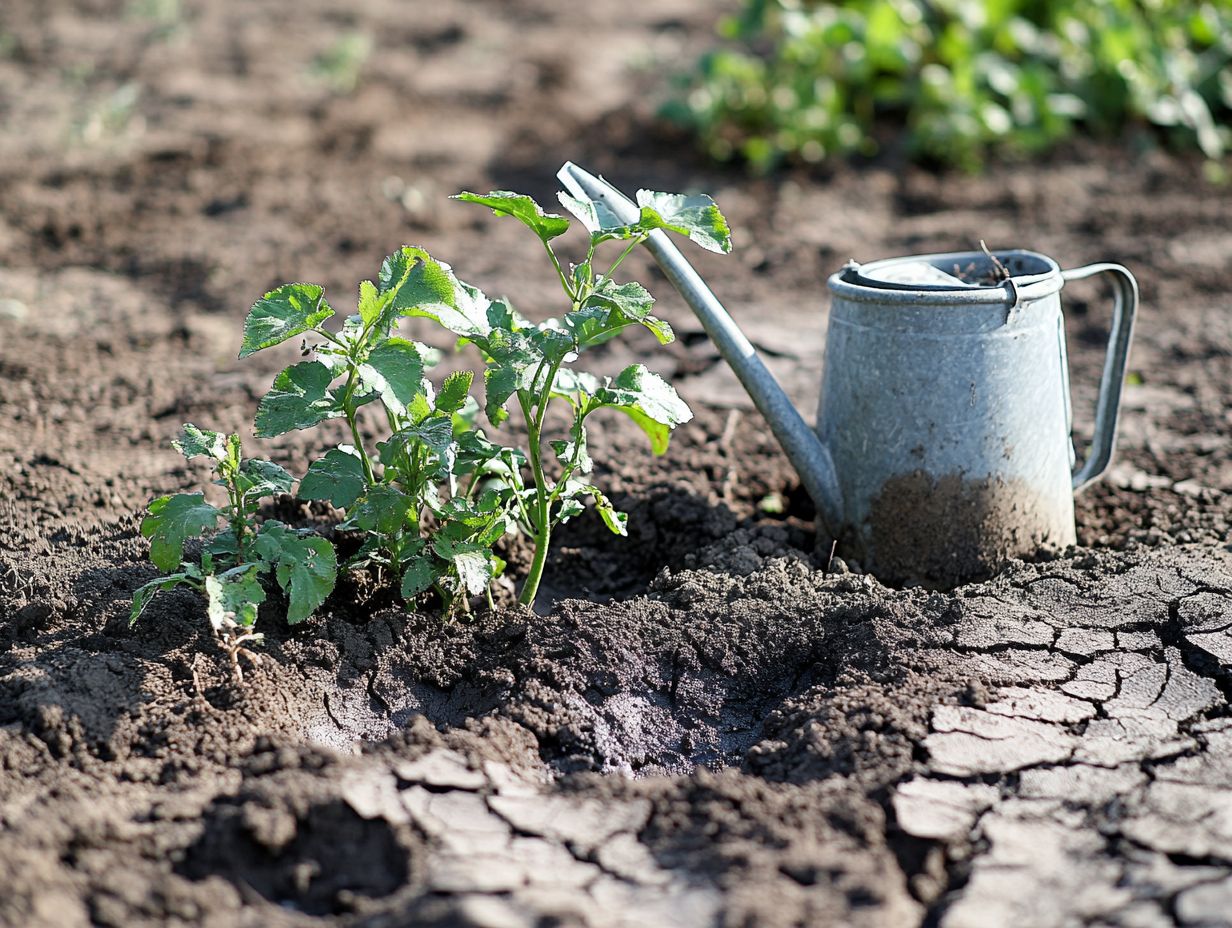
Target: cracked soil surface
<point x="705" y="727"/>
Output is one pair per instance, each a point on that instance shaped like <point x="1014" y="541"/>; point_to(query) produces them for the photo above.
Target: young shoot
<point x="530" y="365"/>
<point x="402" y="493"/>
<point x="432" y="498"/>
<point x="235" y="559"/>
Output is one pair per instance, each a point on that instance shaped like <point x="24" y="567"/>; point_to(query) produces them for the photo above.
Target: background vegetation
<point x="954" y="80"/>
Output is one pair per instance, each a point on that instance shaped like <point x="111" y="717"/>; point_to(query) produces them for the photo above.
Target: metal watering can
<point x="943" y="445"/>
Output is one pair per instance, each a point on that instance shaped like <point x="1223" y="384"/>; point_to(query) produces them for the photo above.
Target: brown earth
<point x="706" y="727"/>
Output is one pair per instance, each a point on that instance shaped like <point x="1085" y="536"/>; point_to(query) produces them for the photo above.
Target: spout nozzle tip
<point x="614" y="208"/>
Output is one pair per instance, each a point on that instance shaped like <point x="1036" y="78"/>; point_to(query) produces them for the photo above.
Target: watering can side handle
<point x="1107" y="408"/>
<point x="803" y="448"/>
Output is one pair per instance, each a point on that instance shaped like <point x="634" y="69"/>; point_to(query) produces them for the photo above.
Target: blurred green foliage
<point x="956" y="79"/>
<point x="341" y="65"/>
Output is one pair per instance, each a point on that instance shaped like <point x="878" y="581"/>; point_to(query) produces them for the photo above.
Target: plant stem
<point x="564" y="280"/>
<point x="615" y="264"/>
<point x="239" y="521"/>
<point x="579" y="436"/>
<point x="348" y="394"/>
<point x="329" y="337"/>
<point x="543" y="498"/>
<point x="542" y="524"/>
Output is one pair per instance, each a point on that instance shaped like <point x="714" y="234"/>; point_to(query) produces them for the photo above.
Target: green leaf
<point x="282" y="314"/>
<point x="394" y="370"/>
<point x="383" y="510"/>
<point x="418" y="574"/>
<point x="475" y="568"/>
<point x="306" y="567"/>
<point x="471" y="561"/>
<point x="234" y="596"/>
<point x="568" y="509"/>
<point x="583" y="210"/>
<point x="513" y="359"/>
<point x="194" y="441"/>
<point x="222" y="550"/>
<point x="502" y="315"/>
<point x="369" y="552"/>
<point x="395" y="267"/>
<point x="552" y="341"/>
<point x="631" y="298"/>
<point x="595" y="324"/>
<point x="500" y="382"/>
<point x="463" y="516"/>
<point x="616" y="521"/>
<point x="309" y="578"/>
<point x="235" y="454"/>
<point x="414" y="283"/>
<point x="418" y="279"/>
<point x="299" y="399"/>
<point x="420" y="407"/>
<point x="574" y="386"/>
<point x="264" y="478"/>
<point x="475" y="453"/>
<point x="695" y="216"/>
<point x="374" y="303"/>
<point x="660" y="328"/>
<point x="634" y="302"/>
<point x="435" y="433"/>
<point x="648" y="400"/>
<point x="454" y="391"/>
<point x="145" y="593"/>
<point x="431" y="291"/>
<point x="504" y="202"/>
<point x="612" y="307"/>
<point x="337" y="477"/>
<point x="567" y="451"/>
<point x="171" y="522"/>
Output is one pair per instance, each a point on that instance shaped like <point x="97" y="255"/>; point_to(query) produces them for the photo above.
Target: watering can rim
<point x="854" y="282"/>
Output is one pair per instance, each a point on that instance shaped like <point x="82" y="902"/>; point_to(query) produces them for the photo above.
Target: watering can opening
<point x="955" y="279"/>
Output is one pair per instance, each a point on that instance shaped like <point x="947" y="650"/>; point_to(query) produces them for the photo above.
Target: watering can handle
<point x="1107" y="407"/>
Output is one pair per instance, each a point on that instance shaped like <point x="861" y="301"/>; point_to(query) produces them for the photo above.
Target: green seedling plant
<point x="236" y="558"/>
<point x="531" y="365"/>
<point x="404" y="494"/>
<point x="954" y="82"/>
<point x="431" y="500"/>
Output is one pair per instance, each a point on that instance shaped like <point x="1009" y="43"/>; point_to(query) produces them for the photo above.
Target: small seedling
<point x="432" y="500"/>
<point x="341" y="65"/>
<point x="404" y="494"/>
<point x="813" y="81"/>
<point x="234" y="560"/>
<point x="533" y="364"/>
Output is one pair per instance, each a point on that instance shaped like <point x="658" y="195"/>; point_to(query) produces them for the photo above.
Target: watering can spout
<point x="804" y="449"/>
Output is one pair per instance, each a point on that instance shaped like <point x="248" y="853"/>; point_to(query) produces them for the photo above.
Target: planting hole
<point x="317" y="862"/>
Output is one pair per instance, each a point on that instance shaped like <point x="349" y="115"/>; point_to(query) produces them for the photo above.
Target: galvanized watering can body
<point x="946" y="410"/>
<point x="942" y="446"/>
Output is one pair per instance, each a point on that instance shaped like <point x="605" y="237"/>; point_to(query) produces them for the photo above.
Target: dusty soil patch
<point x="706" y="727"/>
